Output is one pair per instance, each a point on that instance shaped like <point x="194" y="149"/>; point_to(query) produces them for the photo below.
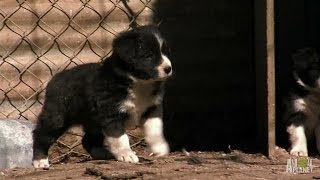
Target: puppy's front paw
<point x="299" y="151"/>
<point x="159" y="149"/>
<point x="298" y="140"/>
<point x="41" y="163"/>
<point x="127" y="155"/>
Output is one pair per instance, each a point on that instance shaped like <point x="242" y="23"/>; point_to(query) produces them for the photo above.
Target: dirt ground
<point x="178" y="165"/>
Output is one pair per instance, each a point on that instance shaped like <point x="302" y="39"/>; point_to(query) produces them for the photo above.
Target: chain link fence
<point x="39" y="38"/>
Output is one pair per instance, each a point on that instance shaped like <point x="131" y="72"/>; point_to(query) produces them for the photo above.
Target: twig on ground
<point x="63" y="144"/>
<point x="229" y="147"/>
<point x="137" y="143"/>
<point x="93" y="171"/>
<point x="185" y="152"/>
<point x="76" y="144"/>
<point x="193" y="159"/>
<point x="58" y="158"/>
<point x="62" y="156"/>
<point x="133" y="135"/>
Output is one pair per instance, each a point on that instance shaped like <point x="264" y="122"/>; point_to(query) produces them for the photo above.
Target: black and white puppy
<point x="123" y="92"/>
<point x="303" y="103"/>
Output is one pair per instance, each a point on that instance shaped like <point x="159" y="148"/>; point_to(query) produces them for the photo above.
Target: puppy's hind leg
<point x="47" y="131"/>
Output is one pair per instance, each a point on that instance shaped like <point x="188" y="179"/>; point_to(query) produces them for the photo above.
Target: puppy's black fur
<point x="91" y="94"/>
<point x="302" y="105"/>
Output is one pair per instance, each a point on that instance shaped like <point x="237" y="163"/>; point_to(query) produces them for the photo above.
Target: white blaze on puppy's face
<point x="298" y="140"/>
<point x="159" y="39"/>
<point x="299" y="81"/>
<point x="165" y="68"/>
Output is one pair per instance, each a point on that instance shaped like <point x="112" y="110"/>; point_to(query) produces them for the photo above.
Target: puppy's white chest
<point x="139" y="99"/>
<point x="310" y="105"/>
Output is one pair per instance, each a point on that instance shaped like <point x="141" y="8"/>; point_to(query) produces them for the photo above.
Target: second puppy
<point x="303" y="103"/>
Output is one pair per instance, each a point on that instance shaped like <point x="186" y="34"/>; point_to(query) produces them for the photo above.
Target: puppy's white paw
<point x="159" y="149"/>
<point x="299" y="150"/>
<point x="127" y="155"/>
<point x="41" y="163"/>
<point x="298" y="140"/>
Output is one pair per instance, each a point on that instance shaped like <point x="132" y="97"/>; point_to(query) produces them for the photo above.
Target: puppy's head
<point x="307" y="68"/>
<point x="143" y="53"/>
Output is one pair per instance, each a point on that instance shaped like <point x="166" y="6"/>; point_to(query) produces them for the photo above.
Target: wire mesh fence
<point x="39" y="38"/>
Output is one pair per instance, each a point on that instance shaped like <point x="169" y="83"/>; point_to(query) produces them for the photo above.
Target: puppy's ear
<point x="304" y="58"/>
<point x="124" y="45"/>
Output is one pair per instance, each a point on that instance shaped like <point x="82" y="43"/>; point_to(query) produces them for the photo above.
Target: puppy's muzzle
<point x="165" y="68"/>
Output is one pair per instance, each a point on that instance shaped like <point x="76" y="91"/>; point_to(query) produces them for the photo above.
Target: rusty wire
<point x="40" y="38"/>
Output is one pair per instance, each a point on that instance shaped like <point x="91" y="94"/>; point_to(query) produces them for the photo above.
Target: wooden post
<point x="271" y="76"/>
<point x="265" y="75"/>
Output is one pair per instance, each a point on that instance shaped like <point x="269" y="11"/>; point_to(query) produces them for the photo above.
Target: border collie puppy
<point x="122" y="92"/>
<point x="303" y="104"/>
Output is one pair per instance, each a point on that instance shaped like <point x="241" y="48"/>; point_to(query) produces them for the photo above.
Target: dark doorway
<point x="210" y="101"/>
<point x="297" y="26"/>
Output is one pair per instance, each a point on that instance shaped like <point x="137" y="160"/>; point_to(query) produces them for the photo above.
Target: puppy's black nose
<point x="167" y="69"/>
